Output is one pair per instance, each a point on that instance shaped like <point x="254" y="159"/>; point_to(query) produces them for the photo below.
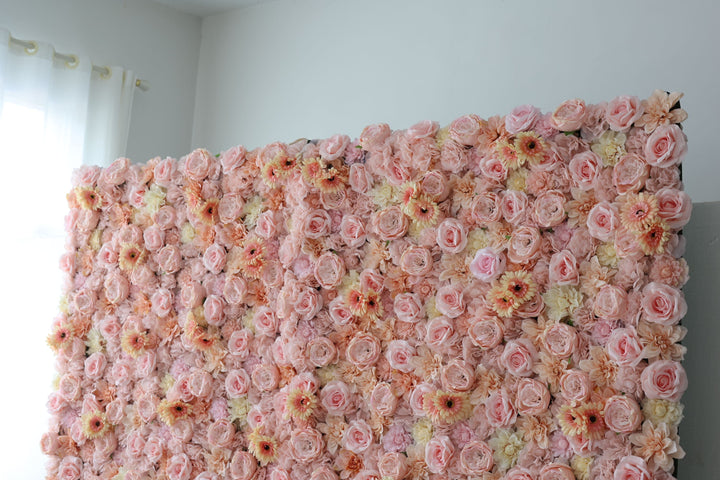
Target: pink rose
<point x="358" y="436"/>
<point x="563" y="269"/>
<point x="666" y="146"/>
<point x="584" y="168"/>
<point x="165" y="217"/>
<point x="485" y="208"/>
<point x="449" y="301"/>
<point x="265" y="225"/>
<point x="549" y="208"/>
<point x="85" y="301"/>
<point x="487" y="264"/>
<point x="230" y="208"/>
<point x="179" y="467"/>
<point x="154" y="238"/>
<point x="416" y="261"/>
<point x="476" y="457"/>
<point x="95" y="365"/>
<point x="329" y="270"/>
<point x="575" y="385"/>
<point x="360" y="179"/>
<point x="556" y="471"/>
<point x="352" y="231"/>
<point x="200" y="383"/>
<point x="237" y="383"/>
<point x="408" y="307"/>
<point x="665" y="380"/>
<point x="624" y="346"/>
<point x="363" y="350"/>
<point x="69" y="387"/>
<point x="339" y="312"/>
<point x="234" y="290"/>
<point x="70" y="468"/>
<point x="533" y="398"/>
<point x="609" y="302"/>
<point x="154" y="448"/>
<point x="335" y="397"/>
<point x="486" y="334"/>
<point x="466" y="130"/>
<point x="435" y="185"/>
<point x="322" y="473"/>
<point x="197" y="164"/>
<point x="265" y="322"/>
<point x="519" y="473"/>
<point x="451" y="236"/>
<point x="265" y="377"/>
<point x="514" y="206"/>
<point x="569" y="116"/>
<point x="499" y="410"/>
<point x="115" y="173"/>
<point x="374" y="136"/>
<point x="239" y="343"/>
<point x="663" y="304"/>
<point x="214" y="258"/>
<point x="457" y="376"/>
<point x="399" y="354"/>
<point x="423" y="129"/>
<point x="117" y="288"/>
<point x="518" y="357"/>
<point x="631" y="467"/>
<point x="169" y="259"/>
<point x="521" y="119"/>
<point x="493" y="168"/>
<point x="390" y="223"/>
<point x="317" y="224"/>
<point x="621" y="112"/>
<point x="560" y="339"/>
<point x="233" y="158"/>
<point x="321" y="352"/>
<point x="162" y="302"/>
<point x="221" y="433"/>
<point x="382" y="400"/>
<point x="524" y="245"/>
<point x="602" y="221"/>
<point x="622" y="414"/>
<point x="674" y="206"/>
<point x="393" y="465"/>
<point x="418" y="396"/>
<point x="242" y="465"/>
<point x="630" y="173"/>
<point x="308" y="303"/>
<point x="440" y="333"/>
<point x="333" y="147"/>
<point x="438" y="453"/>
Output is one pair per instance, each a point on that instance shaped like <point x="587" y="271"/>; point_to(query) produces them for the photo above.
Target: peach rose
<point x="363" y="350"/>
<point x="95" y="365"/>
<point x="242" y="465"/>
<point x="117" y="288"/>
<point x="630" y="173"/>
<point x="487" y="264"/>
<point x="665" y="380"/>
<point x="533" y="398"/>
<point x="549" y="208"/>
<point x="663" y="304"/>
<point x="621" y="112"/>
<point x="70" y="468"/>
<point x="674" y="206"/>
<point x="390" y="223"/>
<point x="393" y="465"/>
<point x="666" y="146"/>
<point x="575" y="385"/>
<point x="197" y="164"/>
<point x="317" y="224"/>
<point x="440" y="333"/>
<point x="408" y="307"/>
<point x="333" y="147"/>
<point x="499" y="410"/>
<point x="476" y="457"/>
<point x="560" y="339"/>
<point x="485" y="208"/>
<point x="609" y="302"/>
<point x="556" y="471"/>
<point x="521" y="119"/>
<point x="466" y="130"/>
<point x="352" y="231"/>
<point x="518" y="357"/>
<point x="584" y="168"/>
<point x="306" y="444"/>
<point x="486" y="333"/>
<point x="416" y="261"/>
<point x="265" y="322"/>
<point x="438" y="453"/>
<point x="631" y="467"/>
<point x="514" y="206"/>
<point x="237" y="383"/>
<point x="449" y="301"/>
<point x="622" y="414"/>
<point x="451" y="236"/>
<point x="563" y="269"/>
<point x="569" y="116"/>
<point x="358" y="437"/>
<point x="335" y="397"/>
<point x="602" y="221"/>
<point x="321" y="352"/>
<point x="399" y="354"/>
<point x="234" y="290"/>
<point x="374" y="136"/>
<point x="382" y="400"/>
<point x="457" y="376"/>
<point x="624" y="346"/>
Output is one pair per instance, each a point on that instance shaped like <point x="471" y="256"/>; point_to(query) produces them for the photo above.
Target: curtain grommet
<point x="33" y="48"/>
<point x="73" y="62"/>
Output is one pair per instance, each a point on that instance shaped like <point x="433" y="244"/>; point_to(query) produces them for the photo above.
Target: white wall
<point x="159" y="44"/>
<point x="289" y="69"/>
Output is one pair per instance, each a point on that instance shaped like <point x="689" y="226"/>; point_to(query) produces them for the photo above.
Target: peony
<point x="363" y="350"/>
<point x="242" y="465"/>
<point x="486" y="333"/>
<point x="575" y="385"/>
<point x="665" y="380"/>
<point x="622" y="414"/>
<point x="438" y="453"/>
<point x="476" y="457"/>
<point x="560" y="339"/>
<point x="532" y="397"/>
<point x="306" y="444"/>
<point x="569" y="116"/>
<point x="321" y="351"/>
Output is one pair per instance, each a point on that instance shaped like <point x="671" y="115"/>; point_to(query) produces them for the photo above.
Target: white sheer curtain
<point x="53" y="118"/>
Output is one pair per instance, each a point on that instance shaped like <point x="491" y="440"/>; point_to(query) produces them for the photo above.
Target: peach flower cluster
<point x="497" y="299"/>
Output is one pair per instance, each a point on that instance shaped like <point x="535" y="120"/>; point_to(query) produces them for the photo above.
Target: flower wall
<point x="499" y="298"/>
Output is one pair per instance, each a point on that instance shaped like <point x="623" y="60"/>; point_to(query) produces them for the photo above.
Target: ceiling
<point x="203" y="8"/>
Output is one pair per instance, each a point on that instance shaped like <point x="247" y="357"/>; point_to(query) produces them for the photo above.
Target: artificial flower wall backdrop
<point x="497" y="298"/>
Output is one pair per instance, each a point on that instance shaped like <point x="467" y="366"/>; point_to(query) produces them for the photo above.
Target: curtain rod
<point x="72" y="60"/>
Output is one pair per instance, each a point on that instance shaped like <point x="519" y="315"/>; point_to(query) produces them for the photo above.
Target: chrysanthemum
<point x="593" y="419"/>
<point x="423" y="211"/>
<point x="271" y="173"/>
<point x="61" y="336"/>
<point x="508" y="155"/>
<point x="530" y="147"/>
<point x="519" y="284"/>
<point x="356" y="302"/>
<point x="263" y="447"/>
<point x="373" y="306"/>
<point x="446" y="407"/>
<point x="170" y="411"/>
<point x="207" y="211"/>
<point x="572" y="422"/>
<point x="131" y="255"/>
<point x="134" y="342"/>
<point x="654" y="237"/>
<point x="506" y="446"/>
<point x="94" y="424"/>
<point x="300" y="404"/>
<point x="88" y="198"/>
<point x="501" y="300"/>
<point x="312" y="170"/>
<point x="638" y="210"/>
<point x="331" y="182"/>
